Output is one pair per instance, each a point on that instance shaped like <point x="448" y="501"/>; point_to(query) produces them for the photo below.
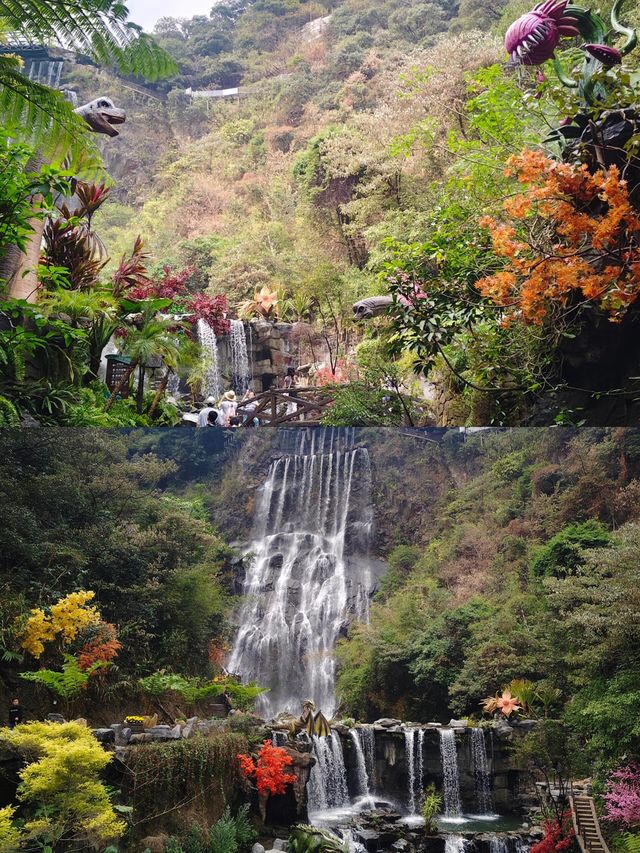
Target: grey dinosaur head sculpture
<point x="372" y="306"/>
<point x="101" y="115"/>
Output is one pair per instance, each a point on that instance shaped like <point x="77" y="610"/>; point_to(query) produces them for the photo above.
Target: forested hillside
<point x="511" y="555"/>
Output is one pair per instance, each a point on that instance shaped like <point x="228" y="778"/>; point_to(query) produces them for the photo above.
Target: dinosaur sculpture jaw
<point x="102" y="116"/>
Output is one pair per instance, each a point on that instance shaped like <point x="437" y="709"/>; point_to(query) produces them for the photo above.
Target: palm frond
<point x="98" y="28"/>
<point x="43" y="119"/>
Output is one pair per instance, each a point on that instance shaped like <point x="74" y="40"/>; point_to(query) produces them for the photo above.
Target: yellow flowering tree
<point x="65" y="620"/>
<point x="60" y="791"/>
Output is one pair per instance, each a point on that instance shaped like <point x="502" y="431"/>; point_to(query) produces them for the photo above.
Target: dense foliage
<point x="527" y="569"/>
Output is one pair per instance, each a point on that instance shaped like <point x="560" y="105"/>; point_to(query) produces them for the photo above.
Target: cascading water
<point x="482" y="775"/>
<point x="240" y="370"/>
<point x="454" y="844"/>
<point x="278" y="738"/>
<point x="414" y="746"/>
<point x="498" y="844"/>
<point x="409" y="740"/>
<point x="367" y="735"/>
<point x="212" y="384"/>
<point x="327" y="787"/>
<point x="47" y="72"/>
<point x="450" y="776"/>
<point x="362" y="777"/>
<point x="310" y="571"/>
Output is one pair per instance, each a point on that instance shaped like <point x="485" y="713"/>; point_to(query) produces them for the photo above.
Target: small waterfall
<point x="278" y="738"/>
<point x="212" y="384"/>
<point x="454" y="844"/>
<point x="484" y="797"/>
<point x="409" y="744"/>
<point x="414" y="746"/>
<point x="348" y="837"/>
<point x="521" y="846"/>
<point x="327" y="787"/>
<point x="173" y="385"/>
<point x="240" y="370"/>
<point x="367" y="735"/>
<point x="362" y="777"/>
<point x="498" y="844"/>
<point x="47" y="72"/>
<point x="310" y="570"/>
<point x="451" y="779"/>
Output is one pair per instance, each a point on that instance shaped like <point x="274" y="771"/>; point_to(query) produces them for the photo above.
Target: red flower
<point x="268" y="769"/>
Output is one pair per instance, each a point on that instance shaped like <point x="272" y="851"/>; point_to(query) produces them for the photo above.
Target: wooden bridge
<point x="587" y="825"/>
<point x="285" y="406"/>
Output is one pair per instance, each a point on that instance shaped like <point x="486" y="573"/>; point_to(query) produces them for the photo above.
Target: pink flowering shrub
<point x="622" y="800"/>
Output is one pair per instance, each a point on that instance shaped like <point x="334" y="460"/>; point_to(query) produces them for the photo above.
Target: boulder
<point x="105" y="735"/>
<point x="55" y="718"/>
<point x="280" y="844"/>
<point x="140" y="737"/>
<point x="387" y="722"/>
<point x="458" y="724"/>
<point x="160" y="732"/>
<point x="122" y="735"/>
<point x="258" y="848"/>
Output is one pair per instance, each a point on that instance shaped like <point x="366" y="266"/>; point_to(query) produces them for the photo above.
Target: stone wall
<point x="269" y="350"/>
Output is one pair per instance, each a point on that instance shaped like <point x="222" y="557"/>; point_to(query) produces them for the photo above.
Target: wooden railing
<point x="285" y="406"/>
<point x="587" y="825"/>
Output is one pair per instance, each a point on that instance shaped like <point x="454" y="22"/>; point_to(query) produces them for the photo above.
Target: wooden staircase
<point x="587" y="825"/>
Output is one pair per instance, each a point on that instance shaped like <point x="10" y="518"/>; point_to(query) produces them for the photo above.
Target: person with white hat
<point x="203" y="414"/>
<point x="228" y="406"/>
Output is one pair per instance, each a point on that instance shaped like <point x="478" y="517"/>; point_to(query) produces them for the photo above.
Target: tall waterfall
<point x="484" y="797"/>
<point x="414" y="746"/>
<point x="240" y="370"/>
<point x="367" y="735"/>
<point x="451" y="779"/>
<point x="327" y="787"/>
<point x="362" y="777"/>
<point x="310" y="571"/>
<point x="212" y="385"/>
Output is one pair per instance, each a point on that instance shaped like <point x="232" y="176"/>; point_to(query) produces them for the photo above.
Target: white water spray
<point x="362" y="777"/>
<point x="328" y="780"/>
<point x="310" y="571"/>
<point x="482" y="775"/>
<point x="240" y="369"/>
<point x="212" y="384"/>
<point x="451" y="779"/>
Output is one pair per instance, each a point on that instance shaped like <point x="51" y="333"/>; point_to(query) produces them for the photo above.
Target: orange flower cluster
<point x="579" y="233"/>
<point x="100" y="649"/>
<point x="269" y="768"/>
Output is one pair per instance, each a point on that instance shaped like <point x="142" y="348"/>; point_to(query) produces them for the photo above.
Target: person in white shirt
<point x="228" y="406"/>
<point x="203" y="414"/>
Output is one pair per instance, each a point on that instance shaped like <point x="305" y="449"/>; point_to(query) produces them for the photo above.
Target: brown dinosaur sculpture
<point x="18" y="268"/>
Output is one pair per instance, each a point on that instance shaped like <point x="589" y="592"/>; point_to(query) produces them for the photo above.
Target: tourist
<point x="249" y="404"/>
<point x="203" y="414"/>
<point x="213" y="418"/>
<point x="290" y="383"/>
<point x="228" y="406"/>
<point x="15" y="713"/>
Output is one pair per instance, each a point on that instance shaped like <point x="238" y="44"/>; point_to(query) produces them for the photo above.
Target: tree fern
<point x="98" y="28"/>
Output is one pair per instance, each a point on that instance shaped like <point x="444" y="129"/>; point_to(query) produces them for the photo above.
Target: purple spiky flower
<point x="533" y="38"/>
<point x="608" y="56"/>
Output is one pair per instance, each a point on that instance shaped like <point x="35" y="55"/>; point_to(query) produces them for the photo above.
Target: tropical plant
<point x="60" y="791"/>
<point x="268" y="770"/>
<point x="68" y="682"/>
<point x="504" y="702"/>
<point x="431" y="805"/>
<point x="264" y="304"/>
<point x="41" y="116"/>
<point x="312" y="839"/>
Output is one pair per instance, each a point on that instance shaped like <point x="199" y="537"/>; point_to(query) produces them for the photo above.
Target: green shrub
<point x="562" y="554"/>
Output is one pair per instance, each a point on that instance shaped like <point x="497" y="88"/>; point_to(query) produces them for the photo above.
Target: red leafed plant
<point x="268" y="769"/>
<point x="172" y="285"/>
<point x="559" y="835"/>
<point x="102" y="647"/>
<point x="211" y="309"/>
